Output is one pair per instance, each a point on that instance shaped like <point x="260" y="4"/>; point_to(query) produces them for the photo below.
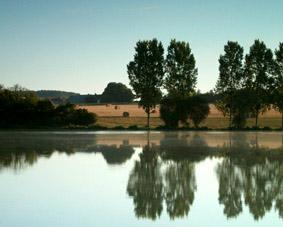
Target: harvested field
<point x="110" y="110"/>
<point x="111" y="116"/>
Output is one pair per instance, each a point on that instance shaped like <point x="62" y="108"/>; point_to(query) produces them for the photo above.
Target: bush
<point x="126" y="114"/>
<point x="119" y="127"/>
<point x="168" y="112"/>
<point x="22" y="109"/>
<point x="68" y="115"/>
<point x="199" y="110"/>
<point x="175" y="109"/>
<point x="133" y="127"/>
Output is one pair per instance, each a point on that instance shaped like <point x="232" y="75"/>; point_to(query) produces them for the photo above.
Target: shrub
<point x="199" y="110"/>
<point x="174" y="109"/>
<point x="119" y="127"/>
<point x="133" y="127"/>
<point x="168" y="112"/>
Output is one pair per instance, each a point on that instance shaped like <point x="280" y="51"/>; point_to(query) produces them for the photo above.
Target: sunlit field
<point x="112" y="116"/>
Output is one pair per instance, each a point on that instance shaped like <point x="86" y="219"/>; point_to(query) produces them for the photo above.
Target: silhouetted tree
<point x="180" y="68"/>
<point x="259" y="67"/>
<point x="230" y="77"/>
<point x="198" y="110"/>
<point x="278" y="91"/>
<point x="146" y="73"/>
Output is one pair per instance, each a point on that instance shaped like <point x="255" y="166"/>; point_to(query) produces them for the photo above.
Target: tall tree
<point x="278" y="92"/>
<point x="259" y="70"/>
<point x="181" y="71"/>
<point x="146" y="73"/>
<point x="230" y="77"/>
<point x="180" y="82"/>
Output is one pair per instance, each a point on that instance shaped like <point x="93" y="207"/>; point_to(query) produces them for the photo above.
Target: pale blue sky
<point x="81" y="45"/>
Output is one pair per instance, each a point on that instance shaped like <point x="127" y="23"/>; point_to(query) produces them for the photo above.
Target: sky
<point x="81" y="45"/>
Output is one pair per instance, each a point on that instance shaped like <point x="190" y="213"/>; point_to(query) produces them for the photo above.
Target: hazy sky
<point x="81" y="45"/>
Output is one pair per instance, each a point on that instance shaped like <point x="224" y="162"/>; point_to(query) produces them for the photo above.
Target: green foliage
<point x="259" y="70"/>
<point x="117" y="92"/>
<point x="242" y="107"/>
<point x="146" y="73"/>
<point x="198" y="110"/>
<point x="180" y="82"/>
<point x="21" y="108"/>
<point x="278" y="80"/>
<point x="181" y="71"/>
<point x="231" y="77"/>
<point x="169" y="112"/>
<point x="133" y="127"/>
<point x="247" y="91"/>
<point x="174" y="109"/>
<point x="47" y="94"/>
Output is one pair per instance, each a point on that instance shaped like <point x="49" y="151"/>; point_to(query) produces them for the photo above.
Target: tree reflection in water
<point x="254" y="175"/>
<point x="20" y="150"/>
<point x="145" y="185"/>
<point x="180" y="187"/>
<point x="160" y="175"/>
<point x="249" y="174"/>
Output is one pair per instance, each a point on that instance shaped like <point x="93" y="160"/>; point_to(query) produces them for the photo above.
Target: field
<point x="112" y="116"/>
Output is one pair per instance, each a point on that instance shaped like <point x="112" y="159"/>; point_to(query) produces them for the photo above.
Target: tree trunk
<point x="148" y="116"/>
<point x="282" y="120"/>
<point x="230" y="119"/>
<point x="256" y="119"/>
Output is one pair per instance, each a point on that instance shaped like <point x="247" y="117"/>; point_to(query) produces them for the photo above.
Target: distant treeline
<point x="21" y="108"/>
<point x="113" y="93"/>
<point x="245" y="88"/>
<point x="49" y="94"/>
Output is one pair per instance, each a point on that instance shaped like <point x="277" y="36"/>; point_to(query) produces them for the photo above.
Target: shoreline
<point x="53" y="129"/>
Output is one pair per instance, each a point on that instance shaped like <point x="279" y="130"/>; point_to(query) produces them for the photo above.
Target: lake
<point x="141" y="179"/>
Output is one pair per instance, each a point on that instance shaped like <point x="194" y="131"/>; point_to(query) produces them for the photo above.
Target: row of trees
<point x="150" y="72"/>
<point x="251" y="85"/>
<point x="246" y="87"/>
<point x="22" y="108"/>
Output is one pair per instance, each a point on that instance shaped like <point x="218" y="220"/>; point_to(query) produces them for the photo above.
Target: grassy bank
<point x="211" y="123"/>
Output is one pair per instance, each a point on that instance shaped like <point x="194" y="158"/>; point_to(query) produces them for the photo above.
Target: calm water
<point x="141" y="179"/>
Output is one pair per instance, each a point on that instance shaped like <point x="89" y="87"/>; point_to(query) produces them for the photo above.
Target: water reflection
<point x="20" y="150"/>
<point x="256" y="182"/>
<point x="249" y="171"/>
<point x="163" y="178"/>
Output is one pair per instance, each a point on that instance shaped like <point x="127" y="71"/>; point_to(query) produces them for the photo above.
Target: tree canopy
<point x="181" y="71"/>
<point x="117" y="92"/>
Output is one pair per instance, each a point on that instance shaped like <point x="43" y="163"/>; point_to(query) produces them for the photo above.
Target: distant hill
<point x="77" y="99"/>
<point x="50" y="94"/>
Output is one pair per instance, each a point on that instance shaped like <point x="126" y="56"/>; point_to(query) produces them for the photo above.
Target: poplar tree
<point x="230" y="78"/>
<point x="146" y="74"/>
<point x="259" y="65"/>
